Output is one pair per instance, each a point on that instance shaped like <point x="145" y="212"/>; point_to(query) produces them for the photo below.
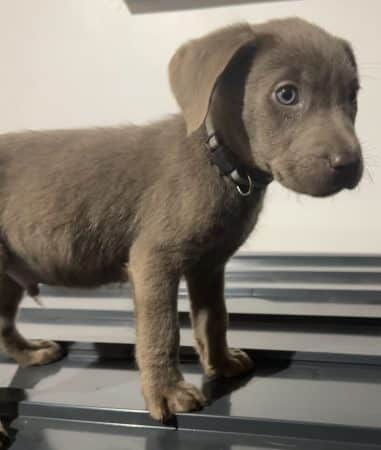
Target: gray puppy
<point x="177" y="198"/>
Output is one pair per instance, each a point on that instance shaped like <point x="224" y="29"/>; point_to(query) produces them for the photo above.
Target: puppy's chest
<point x="231" y="224"/>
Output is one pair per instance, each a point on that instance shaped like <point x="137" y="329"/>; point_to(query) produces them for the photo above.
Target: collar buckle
<point x="240" y="181"/>
<point x="223" y="159"/>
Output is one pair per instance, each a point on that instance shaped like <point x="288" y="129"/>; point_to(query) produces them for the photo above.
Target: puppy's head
<point x="284" y="93"/>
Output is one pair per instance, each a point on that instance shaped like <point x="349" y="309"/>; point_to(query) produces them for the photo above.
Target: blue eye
<point x="287" y="95"/>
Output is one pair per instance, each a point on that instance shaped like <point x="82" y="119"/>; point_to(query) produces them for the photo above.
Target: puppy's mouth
<point x="318" y="178"/>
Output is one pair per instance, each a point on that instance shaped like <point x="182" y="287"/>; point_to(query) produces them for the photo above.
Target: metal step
<point x="312" y="323"/>
<point x="35" y="433"/>
<point x="285" y="399"/>
<point x="279" y="333"/>
<point x="283" y="319"/>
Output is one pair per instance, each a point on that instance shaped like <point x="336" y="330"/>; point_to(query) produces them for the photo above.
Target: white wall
<point x="70" y="63"/>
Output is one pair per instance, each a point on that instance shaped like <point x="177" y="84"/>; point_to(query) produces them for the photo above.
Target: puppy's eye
<point x="287" y="95"/>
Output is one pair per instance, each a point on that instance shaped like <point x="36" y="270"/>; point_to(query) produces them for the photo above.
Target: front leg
<point x="155" y="280"/>
<point x="210" y="321"/>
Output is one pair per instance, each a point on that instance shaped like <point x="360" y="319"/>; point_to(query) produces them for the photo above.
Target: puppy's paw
<point x="235" y="362"/>
<point x="39" y="352"/>
<point x="164" y="402"/>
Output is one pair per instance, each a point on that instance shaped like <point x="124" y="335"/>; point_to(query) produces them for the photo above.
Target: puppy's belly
<point x="89" y="276"/>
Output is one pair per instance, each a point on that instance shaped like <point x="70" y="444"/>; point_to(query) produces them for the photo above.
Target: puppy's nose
<point x="346" y="166"/>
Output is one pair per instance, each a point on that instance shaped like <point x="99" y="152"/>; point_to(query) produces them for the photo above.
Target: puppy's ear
<point x="196" y="66"/>
<point x="349" y="52"/>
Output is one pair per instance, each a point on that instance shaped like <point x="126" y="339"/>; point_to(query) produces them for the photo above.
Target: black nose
<point x="346" y="166"/>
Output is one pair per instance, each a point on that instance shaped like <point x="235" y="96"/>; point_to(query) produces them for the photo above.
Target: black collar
<point x="246" y="180"/>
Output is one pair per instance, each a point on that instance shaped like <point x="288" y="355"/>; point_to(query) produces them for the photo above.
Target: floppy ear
<point x="349" y="52"/>
<point x="196" y="66"/>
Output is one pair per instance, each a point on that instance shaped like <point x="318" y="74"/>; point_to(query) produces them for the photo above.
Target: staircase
<point x="311" y="322"/>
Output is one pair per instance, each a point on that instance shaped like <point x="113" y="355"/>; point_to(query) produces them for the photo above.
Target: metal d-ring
<point x="249" y="189"/>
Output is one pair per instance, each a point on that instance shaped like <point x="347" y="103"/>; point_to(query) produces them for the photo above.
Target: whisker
<point x="371" y="160"/>
<point x="368" y="173"/>
<point x="369" y="64"/>
<point x="370" y="77"/>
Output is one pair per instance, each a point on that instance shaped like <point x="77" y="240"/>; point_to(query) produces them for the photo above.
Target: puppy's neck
<point x="226" y="116"/>
<point x="227" y="122"/>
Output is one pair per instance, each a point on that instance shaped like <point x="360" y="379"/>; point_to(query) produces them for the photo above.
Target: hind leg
<point x="25" y="352"/>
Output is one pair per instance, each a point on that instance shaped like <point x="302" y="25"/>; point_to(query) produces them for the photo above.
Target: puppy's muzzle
<point x="345" y="168"/>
